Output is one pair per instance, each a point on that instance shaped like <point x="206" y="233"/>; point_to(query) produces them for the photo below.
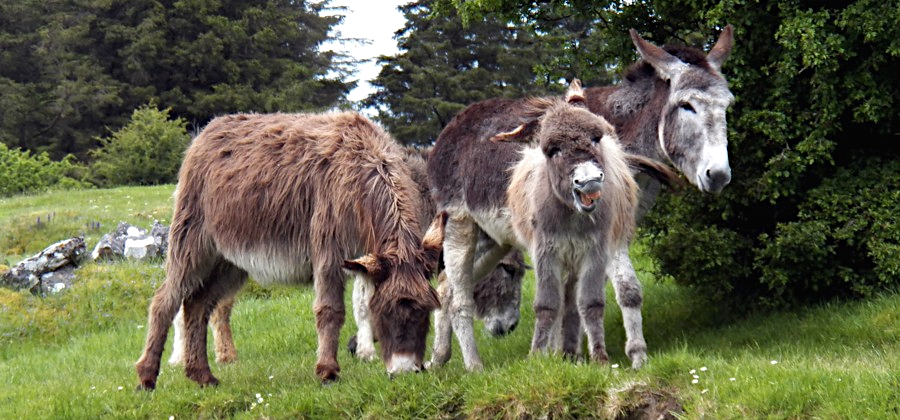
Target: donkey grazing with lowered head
<point x="497" y="296"/>
<point x="288" y="197"/>
<point x="569" y="201"/>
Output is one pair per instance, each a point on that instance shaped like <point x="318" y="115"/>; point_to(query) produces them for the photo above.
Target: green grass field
<point x="70" y="356"/>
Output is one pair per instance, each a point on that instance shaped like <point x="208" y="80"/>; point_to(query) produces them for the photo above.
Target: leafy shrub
<point x="147" y="151"/>
<point x="23" y="172"/>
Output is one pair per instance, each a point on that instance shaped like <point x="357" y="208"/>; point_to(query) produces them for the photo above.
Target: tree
<point x="811" y="211"/>
<point x="70" y="70"/>
<point x="444" y="66"/>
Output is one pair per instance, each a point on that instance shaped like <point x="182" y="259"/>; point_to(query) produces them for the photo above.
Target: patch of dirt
<point x="638" y="402"/>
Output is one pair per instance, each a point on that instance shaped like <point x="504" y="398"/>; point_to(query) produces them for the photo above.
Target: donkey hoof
<point x="146" y="386"/>
<point x="327" y="373"/>
<point x="351" y="345"/>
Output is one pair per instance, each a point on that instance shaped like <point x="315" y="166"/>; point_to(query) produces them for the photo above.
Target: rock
<point x="130" y="241"/>
<point x="40" y="274"/>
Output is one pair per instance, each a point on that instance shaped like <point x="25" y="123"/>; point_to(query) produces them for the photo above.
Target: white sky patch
<point x="375" y="21"/>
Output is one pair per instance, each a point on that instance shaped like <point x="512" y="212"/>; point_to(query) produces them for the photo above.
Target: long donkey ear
<point x="655" y="169"/>
<point x="720" y="52"/>
<point x="521" y="134"/>
<point x="666" y="64"/>
<point x="575" y="94"/>
<point x="368" y="264"/>
<point x="433" y="241"/>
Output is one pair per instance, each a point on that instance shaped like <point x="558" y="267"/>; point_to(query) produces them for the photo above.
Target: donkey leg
<point x="222" y="283"/>
<point x="329" y="310"/>
<point x="162" y="310"/>
<point x="630" y="298"/>
<point x="365" y="339"/>
<point x="221" y="331"/>
<point x="548" y="299"/>
<point x="592" y="303"/>
<point x="443" y="331"/>
<point x="177" y="356"/>
<point x="572" y="333"/>
<point x="460" y="237"/>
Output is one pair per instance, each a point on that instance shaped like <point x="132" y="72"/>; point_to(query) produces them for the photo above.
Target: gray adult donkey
<point x="671" y="107"/>
<point x="570" y="202"/>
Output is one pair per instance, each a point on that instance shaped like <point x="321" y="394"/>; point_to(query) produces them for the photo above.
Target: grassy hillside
<point x="72" y="355"/>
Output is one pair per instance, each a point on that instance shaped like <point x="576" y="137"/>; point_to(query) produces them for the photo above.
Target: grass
<point x="71" y="355"/>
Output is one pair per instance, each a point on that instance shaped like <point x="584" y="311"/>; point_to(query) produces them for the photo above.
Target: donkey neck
<point x="635" y="108"/>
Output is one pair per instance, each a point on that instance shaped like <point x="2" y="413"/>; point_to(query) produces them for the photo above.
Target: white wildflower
<point x="615" y="366"/>
<point x="693" y="371"/>
<point x="703" y="369"/>
<point x="695" y="381"/>
<point x="121" y="388"/>
<point x="696" y="376"/>
<point x="171" y="417"/>
<point x="732" y="379"/>
<point x="704" y="391"/>
<point x="774" y="362"/>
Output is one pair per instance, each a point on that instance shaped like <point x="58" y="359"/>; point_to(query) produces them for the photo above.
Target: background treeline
<point x="811" y="212"/>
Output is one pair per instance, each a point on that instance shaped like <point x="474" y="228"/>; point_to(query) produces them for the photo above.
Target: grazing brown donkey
<point x="497" y="297"/>
<point x="285" y="198"/>
<point x="569" y="201"/>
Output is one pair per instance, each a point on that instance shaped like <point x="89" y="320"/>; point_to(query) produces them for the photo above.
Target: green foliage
<point x="24" y="172"/>
<point x="809" y="213"/>
<point x="147" y="151"/>
<point x="444" y="66"/>
<point x="69" y="70"/>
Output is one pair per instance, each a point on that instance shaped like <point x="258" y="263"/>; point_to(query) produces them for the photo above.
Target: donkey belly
<point x="497" y="223"/>
<point x="270" y="268"/>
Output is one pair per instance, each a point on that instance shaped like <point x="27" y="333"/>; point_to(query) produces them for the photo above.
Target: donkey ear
<point x="368" y="264"/>
<point x="655" y="169"/>
<point x="666" y="64"/>
<point x="575" y="94"/>
<point x="433" y="242"/>
<point x="720" y="52"/>
<point x="521" y="134"/>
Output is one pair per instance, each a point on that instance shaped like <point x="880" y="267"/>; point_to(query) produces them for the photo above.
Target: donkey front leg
<point x="591" y="304"/>
<point x="548" y="300"/>
<point x="459" y="258"/>
<point x="329" y="310"/>
<point x="363" y="289"/>
<point x="629" y="298"/>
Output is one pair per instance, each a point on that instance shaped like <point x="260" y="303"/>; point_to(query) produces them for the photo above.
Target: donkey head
<point x="403" y="299"/>
<point x="692" y="129"/>
<point x="498" y="296"/>
<point x="573" y="141"/>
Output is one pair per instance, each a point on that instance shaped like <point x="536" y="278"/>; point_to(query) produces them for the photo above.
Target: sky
<point x="375" y="21"/>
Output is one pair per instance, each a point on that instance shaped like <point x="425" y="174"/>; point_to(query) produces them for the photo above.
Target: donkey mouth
<point x="586" y="201"/>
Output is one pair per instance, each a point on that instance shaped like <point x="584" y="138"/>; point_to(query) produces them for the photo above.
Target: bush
<point x="22" y="172"/>
<point x="147" y="151"/>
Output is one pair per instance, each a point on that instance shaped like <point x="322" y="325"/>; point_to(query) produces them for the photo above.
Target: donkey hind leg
<point x="365" y="338"/>
<point x="443" y="331"/>
<point x="630" y="299"/>
<point x="220" y="321"/>
<point x="571" y="341"/>
<point x="177" y="356"/>
<point x="162" y="310"/>
<point x="223" y="282"/>
<point x="591" y="304"/>
<point x="460" y="237"/>
<point x="548" y="300"/>
<point x="329" y="310"/>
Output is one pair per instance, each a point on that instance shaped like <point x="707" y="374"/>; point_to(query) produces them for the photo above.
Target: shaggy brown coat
<point x="288" y="197"/>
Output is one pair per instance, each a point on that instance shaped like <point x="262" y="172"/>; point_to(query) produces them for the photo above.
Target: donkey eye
<point x="595" y="139"/>
<point x="687" y="107"/>
<point x="553" y="152"/>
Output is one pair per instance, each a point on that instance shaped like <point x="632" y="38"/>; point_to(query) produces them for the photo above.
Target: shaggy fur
<point x="285" y="198"/>
<point x="533" y="198"/>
